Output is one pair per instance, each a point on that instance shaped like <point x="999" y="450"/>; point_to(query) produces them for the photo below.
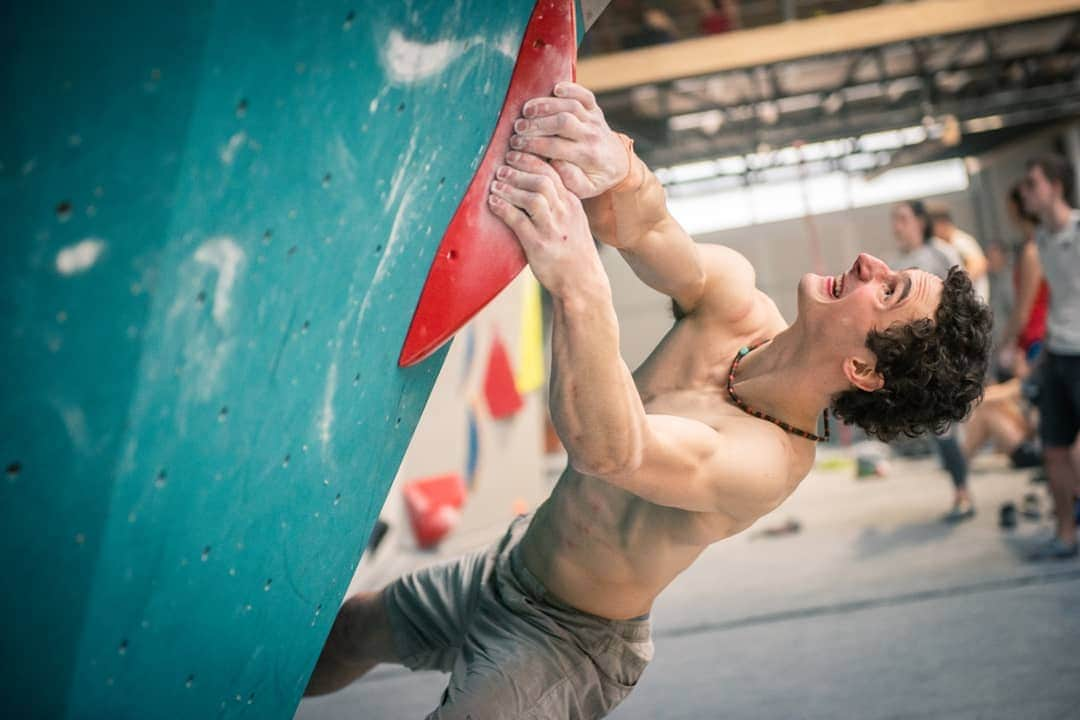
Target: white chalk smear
<point x="228" y="153"/>
<point x="75" y="423"/>
<point x="225" y="255"/>
<point x="79" y="257"/>
<point x="326" y="419"/>
<point x="508" y="45"/>
<point x="408" y="61"/>
<point x="404" y="170"/>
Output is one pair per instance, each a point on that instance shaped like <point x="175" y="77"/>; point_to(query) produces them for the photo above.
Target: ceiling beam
<point x="845" y="31"/>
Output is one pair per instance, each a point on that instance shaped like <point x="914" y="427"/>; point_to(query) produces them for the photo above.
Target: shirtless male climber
<point x="702" y="440"/>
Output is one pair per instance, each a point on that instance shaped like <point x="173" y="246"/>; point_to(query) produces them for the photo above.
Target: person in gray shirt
<point x="1046" y="188"/>
<point x="919" y="248"/>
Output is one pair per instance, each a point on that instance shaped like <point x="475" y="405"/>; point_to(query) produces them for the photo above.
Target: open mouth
<point x="836" y="286"/>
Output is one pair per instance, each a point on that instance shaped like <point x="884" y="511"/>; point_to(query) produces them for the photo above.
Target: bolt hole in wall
<point x="241" y="108"/>
<point x="13" y="469"/>
<point x="223" y="413"/>
<point x="63" y="210"/>
<point x="161" y="480"/>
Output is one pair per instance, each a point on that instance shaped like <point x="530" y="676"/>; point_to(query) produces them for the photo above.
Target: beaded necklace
<point x="764" y="416"/>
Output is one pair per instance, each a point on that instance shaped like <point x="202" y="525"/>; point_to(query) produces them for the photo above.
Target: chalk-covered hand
<point x="570" y="130"/>
<point x="549" y="222"/>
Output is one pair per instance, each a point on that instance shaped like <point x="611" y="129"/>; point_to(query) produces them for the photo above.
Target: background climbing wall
<point x="499" y="461"/>
<point x="216" y="222"/>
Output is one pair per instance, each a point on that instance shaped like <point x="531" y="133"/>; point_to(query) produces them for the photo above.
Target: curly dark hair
<point x="933" y="369"/>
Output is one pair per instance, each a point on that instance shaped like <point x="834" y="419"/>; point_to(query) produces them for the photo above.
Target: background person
<point x="1025" y="326"/>
<point x="918" y="247"/>
<point x="1046" y="190"/>
<point x="968" y="247"/>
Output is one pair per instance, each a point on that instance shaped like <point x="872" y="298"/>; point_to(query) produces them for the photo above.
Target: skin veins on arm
<point x="591" y="388"/>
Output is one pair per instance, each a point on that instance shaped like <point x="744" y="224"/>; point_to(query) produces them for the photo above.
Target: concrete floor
<point x="875" y="609"/>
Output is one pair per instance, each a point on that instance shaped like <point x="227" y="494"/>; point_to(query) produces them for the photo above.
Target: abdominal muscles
<point x="609" y="552"/>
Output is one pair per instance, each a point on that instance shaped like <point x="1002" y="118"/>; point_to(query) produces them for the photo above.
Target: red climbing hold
<point x="479" y="256"/>
<point x="500" y="390"/>
<point x="434" y="505"/>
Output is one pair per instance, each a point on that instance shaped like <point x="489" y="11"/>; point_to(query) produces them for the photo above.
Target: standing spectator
<point x="1025" y="326"/>
<point x="968" y="247"/>
<point x="1046" y="190"/>
<point x="914" y="233"/>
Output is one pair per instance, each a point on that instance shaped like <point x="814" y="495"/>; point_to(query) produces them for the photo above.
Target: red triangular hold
<point x="500" y="390"/>
<point x="479" y="256"/>
<point x="434" y="506"/>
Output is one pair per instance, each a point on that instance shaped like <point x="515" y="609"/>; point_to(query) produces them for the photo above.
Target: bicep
<point x="729" y="281"/>
<point x="688" y="465"/>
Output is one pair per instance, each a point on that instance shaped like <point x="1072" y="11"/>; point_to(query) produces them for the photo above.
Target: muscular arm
<point x="626" y="204"/>
<point x="596" y="408"/>
<point x="634" y="219"/>
<point x="696" y="276"/>
<point x="665" y="459"/>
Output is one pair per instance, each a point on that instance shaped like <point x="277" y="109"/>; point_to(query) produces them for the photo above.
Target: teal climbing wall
<point x="217" y="218"/>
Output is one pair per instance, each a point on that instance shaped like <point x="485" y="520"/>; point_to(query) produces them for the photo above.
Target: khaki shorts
<point x="511" y="649"/>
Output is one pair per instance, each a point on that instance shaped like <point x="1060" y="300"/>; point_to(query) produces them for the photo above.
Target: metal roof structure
<point x="967" y="82"/>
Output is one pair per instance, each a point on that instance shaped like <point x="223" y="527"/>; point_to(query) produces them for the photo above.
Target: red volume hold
<point x="479" y="255"/>
<point x="502" y="396"/>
